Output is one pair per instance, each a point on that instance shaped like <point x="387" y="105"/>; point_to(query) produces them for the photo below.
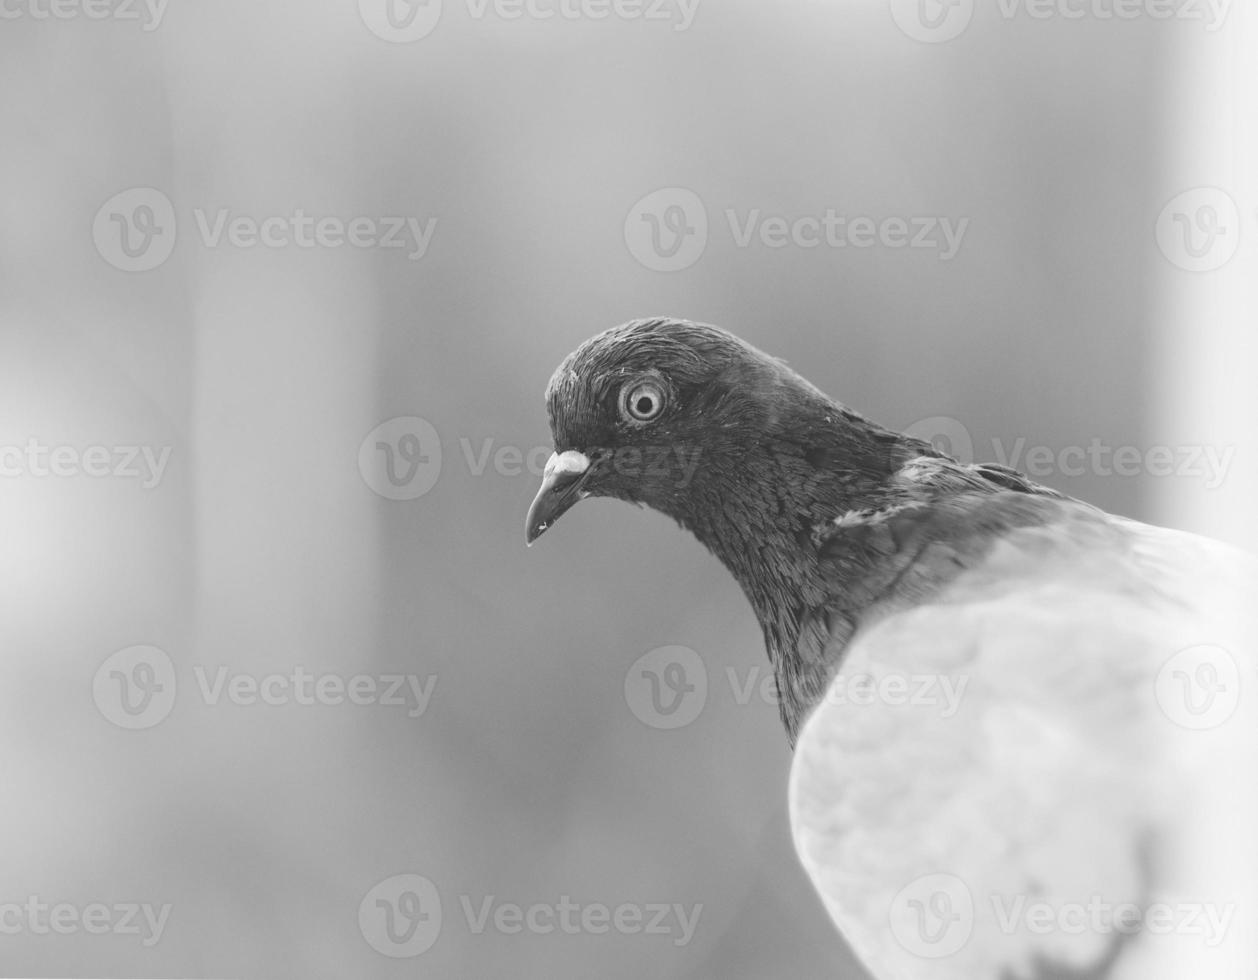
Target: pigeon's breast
<point x="1060" y="724"/>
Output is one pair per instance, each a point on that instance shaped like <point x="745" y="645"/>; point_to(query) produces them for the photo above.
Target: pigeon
<point x="1025" y="732"/>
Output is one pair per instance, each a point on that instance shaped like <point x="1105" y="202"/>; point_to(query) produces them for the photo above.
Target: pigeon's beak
<point x="562" y="483"/>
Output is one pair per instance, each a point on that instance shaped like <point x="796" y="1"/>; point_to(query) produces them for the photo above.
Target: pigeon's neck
<point x="763" y="509"/>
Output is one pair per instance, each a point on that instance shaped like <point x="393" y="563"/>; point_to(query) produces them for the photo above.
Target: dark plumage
<point x="816" y="510"/>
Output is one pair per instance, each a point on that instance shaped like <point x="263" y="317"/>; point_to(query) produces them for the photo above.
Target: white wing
<point x="1049" y="770"/>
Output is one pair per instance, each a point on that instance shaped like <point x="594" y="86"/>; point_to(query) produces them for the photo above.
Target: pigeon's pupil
<point x="641" y="402"/>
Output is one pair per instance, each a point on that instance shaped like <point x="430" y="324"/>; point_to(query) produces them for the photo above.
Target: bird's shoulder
<point x="937" y="501"/>
<point x="936" y="518"/>
<point x="995" y="736"/>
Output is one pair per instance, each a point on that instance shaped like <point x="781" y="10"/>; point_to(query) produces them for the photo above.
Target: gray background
<point x="263" y="548"/>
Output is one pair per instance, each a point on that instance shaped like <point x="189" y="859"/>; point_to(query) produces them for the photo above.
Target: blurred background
<point x="281" y="285"/>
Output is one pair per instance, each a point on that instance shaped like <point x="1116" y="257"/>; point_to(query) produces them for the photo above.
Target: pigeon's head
<point x="660" y="412"/>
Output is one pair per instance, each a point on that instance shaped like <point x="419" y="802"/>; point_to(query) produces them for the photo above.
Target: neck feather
<point x="762" y="508"/>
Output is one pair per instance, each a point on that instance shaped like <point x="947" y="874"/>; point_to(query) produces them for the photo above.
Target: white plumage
<point x="1102" y="753"/>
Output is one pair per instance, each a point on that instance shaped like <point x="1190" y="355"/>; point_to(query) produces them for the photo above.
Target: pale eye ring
<point x="642" y="401"/>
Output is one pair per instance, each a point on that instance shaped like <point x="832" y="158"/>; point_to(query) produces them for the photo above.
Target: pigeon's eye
<point x="641" y="402"/>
